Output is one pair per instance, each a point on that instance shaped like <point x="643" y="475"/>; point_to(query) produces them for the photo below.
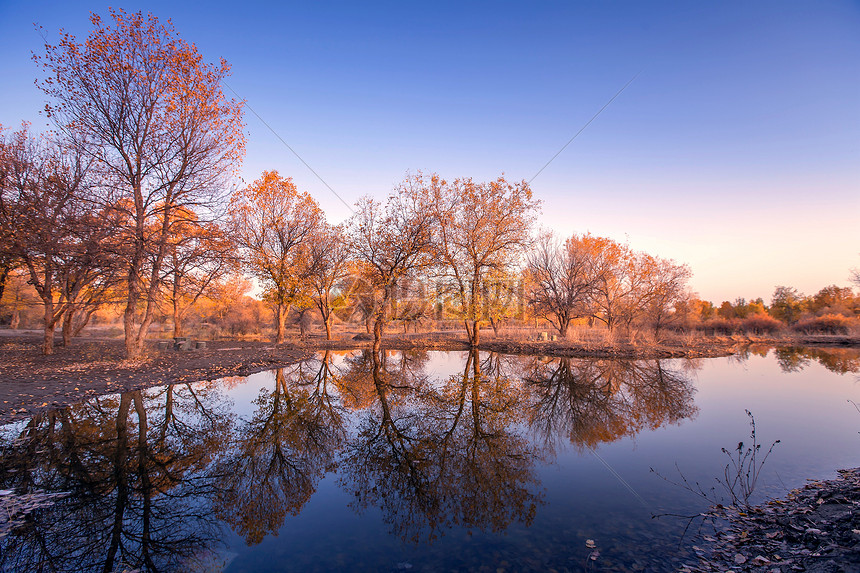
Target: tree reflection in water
<point x="594" y="401"/>
<point x="153" y="475"/>
<point x="282" y="452"/>
<point x="135" y="466"/>
<point x="432" y="457"/>
<point x="838" y="360"/>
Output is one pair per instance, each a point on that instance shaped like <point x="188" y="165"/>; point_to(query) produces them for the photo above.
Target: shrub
<point x="761" y="324"/>
<point x="826" y="324"/>
<point x="721" y="325"/>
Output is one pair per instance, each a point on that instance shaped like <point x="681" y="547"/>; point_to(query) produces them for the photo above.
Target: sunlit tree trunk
<point x="281" y="312"/>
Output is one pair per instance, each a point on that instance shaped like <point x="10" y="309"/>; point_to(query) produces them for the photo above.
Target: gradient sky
<point x="736" y="150"/>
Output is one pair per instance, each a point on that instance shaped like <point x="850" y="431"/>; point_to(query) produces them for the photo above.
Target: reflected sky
<point x="431" y="460"/>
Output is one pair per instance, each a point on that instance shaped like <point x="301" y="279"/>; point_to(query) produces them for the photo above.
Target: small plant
<point x="739" y="476"/>
<point x="743" y="470"/>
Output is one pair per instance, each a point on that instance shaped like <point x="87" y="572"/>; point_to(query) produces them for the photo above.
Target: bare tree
<point x="562" y="279"/>
<point x="49" y="224"/>
<point x="329" y="266"/>
<point x="141" y="102"/>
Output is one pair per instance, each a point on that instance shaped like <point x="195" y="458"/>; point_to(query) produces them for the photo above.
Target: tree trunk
<point x="177" y="314"/>
<point x="120" y="479"/>
<point x="280" y="322"/>
<point x="378" y="327"/>
<point x="48" y="341"/>
<point x="563" y="326"/>
<point x="327" y="322"/>
<point x="131" y="350"/>
<point x="145" y="480"/>
<point x="473" y="331"/>
<point x="68" y="318"/>
<point x="4" y="276"/>
<point x="49" y="322"/>
<point x="495" y="324"/>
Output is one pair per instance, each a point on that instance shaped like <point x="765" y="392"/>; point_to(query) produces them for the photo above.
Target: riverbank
<point x="815" y="529"/>
<point x="91" y="366"/>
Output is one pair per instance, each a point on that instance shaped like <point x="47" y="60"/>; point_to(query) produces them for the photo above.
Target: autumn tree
<point x="330" y="264"/>
<point x="199" y="256"/>
<point x="503" y="297"/>
<point x="141" y="102"/>
<point x="390" y="242"/>
<point x="8" y="260"/>
<point x="91" y="278"/>
<point x="273" y="224"/>
<point x="666" y="290"/>
<point x="835" y="300"/>
<point x="787" y="304"/>
<point x="611" y="262"/>
<point x="482" y="228"/>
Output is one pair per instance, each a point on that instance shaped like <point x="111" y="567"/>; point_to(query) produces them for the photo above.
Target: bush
<point x="721" y="325"/>
<point x="826" y="324"/>
<point x="761" y="324"/>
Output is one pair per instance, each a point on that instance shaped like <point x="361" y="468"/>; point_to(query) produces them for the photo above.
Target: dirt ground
<point x="31" y="381"/>
<point x="816" y="529"/>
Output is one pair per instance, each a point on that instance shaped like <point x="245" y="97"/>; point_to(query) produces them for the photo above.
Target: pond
<point x="418" y="461"/>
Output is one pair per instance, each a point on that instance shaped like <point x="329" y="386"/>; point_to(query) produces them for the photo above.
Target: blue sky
<point x="736" y="149"/>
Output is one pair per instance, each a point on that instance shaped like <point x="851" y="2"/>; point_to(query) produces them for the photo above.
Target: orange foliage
<point x="141" y="101"/>
<point x="273" y="224"/>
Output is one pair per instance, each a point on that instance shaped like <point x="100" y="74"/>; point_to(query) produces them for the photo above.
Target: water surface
<point x="418" y="461"/>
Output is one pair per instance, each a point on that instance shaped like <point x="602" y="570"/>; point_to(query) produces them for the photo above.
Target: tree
<point x="666" y="290"/>
<point x="140" y="101"/>
<point x="482" y="229"/>
<point x="329" y="265"/>
<point x="48" y="224"/>
<point x="8" y="260"/>
<point x="503" y="298"/>
<point x="833" y="299"/>
<point x="390" y="242"/>
<point x="562" y="279"/>
<point x="273" y="224"/>
<point x="199" y="256"/>
<point x="611" y="262"/>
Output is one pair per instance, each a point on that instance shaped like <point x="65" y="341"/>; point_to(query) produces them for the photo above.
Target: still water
<point x="417" y="461"/>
